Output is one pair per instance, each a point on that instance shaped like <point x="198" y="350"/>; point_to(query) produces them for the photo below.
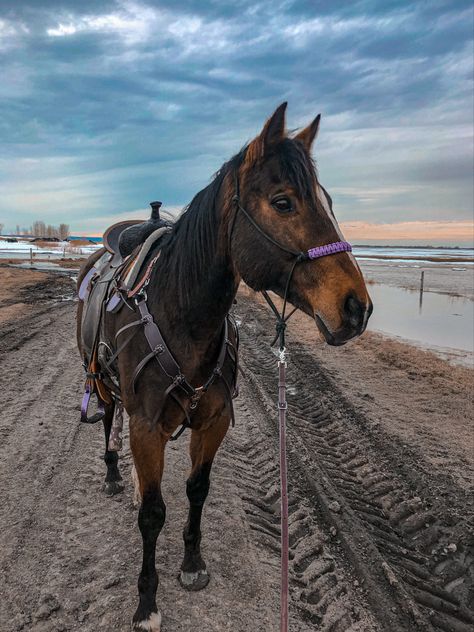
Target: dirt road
<point x="379" y="542"/>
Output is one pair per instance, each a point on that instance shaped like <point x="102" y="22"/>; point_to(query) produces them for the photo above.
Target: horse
<point x="255" y="222"/>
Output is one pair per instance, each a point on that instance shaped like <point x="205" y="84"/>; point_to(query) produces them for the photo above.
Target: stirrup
<point x="98" y="416"/>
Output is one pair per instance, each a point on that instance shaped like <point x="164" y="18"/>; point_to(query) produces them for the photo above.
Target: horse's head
<point x="284" y="211"/>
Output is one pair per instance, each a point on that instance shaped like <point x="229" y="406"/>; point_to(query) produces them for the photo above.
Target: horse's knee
<point x="197" y="485"/>
<point x="152" y="513"/>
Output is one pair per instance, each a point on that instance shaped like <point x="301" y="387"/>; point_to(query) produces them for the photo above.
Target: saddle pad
<point x="135" y="267"/>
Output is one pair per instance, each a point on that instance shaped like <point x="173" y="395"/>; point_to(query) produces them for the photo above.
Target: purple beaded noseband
<point x="329" y="249"/>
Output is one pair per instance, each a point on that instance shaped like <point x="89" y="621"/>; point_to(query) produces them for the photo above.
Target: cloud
<point x="106" y="105"/>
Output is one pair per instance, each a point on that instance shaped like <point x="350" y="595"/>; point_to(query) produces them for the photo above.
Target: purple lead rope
<point x="313" y="253"/>
<point x="282" y="406"/>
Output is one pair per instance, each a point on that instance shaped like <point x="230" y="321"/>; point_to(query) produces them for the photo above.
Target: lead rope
<point x="282" y="319"/>
<point x="282" y="407"/>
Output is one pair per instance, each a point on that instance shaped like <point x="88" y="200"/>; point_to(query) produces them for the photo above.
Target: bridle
<point x="298" y="257"/>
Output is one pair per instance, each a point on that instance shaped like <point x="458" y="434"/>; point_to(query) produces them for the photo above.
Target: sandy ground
<point x="415" y="396"/>
<point x="20" y="288"/>
<point x="71" y="263"/>
<point x="381" y="520"/>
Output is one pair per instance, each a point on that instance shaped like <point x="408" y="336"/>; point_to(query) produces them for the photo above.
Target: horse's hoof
<point x="110" y="488"/>
<point x="152" y="624"/>
<point x="194" y="581"/>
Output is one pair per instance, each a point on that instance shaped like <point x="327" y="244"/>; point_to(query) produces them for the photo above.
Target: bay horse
<point x="263" y="207"/>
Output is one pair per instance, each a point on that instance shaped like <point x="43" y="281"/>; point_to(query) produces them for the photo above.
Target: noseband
<point x="298" y="257"/>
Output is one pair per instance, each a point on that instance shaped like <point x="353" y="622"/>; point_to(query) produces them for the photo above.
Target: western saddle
<point x="112" y="279"/>
<point x="120" y="274"/>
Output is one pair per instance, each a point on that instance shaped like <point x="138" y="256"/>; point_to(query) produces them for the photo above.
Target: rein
<point x="281" y="322"/>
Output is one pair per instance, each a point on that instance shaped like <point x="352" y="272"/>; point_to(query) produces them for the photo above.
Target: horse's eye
<point x="282" y="204"/>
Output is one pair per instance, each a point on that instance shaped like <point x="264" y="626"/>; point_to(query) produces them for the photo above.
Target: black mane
<point x="189" y="250"/>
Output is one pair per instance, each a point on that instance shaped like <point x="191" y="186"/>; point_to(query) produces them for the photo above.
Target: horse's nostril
<point x="355" y="311"/>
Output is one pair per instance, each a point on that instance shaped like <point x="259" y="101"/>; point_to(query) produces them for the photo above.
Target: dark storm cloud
<point x="105" y="105"/>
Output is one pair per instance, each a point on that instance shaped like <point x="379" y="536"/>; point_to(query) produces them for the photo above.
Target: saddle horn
<point x="155" y="211"/>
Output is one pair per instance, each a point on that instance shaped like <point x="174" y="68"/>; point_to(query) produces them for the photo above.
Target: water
<point x="438" y="320"/>
<point x="420" y="255"/>
<point x="45" y="266"/>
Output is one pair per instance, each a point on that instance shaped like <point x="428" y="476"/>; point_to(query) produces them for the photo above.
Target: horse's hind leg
<point x="112" y="483"/>
<point x="148" y="447"/>
<point x="204" y="445"/>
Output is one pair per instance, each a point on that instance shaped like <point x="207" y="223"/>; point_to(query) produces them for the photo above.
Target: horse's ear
<point x="274" y="129"/>
<point x="272" y="133"/>
<point x="308" y="134"/>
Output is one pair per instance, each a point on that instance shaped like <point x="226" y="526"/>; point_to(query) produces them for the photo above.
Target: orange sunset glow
<point x="430" y="232"/>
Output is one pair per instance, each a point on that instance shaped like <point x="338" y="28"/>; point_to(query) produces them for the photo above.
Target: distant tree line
<point x="41" y="229"/>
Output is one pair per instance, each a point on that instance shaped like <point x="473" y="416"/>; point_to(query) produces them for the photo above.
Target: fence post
<point x="422" y="282"/>
<point x="31" y="256"/>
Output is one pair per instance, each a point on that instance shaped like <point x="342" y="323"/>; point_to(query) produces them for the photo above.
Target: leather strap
<point x="144" y="278"/>
<point x="160" y="351"/>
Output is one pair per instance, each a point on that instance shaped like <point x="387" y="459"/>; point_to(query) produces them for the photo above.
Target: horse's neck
<point x="196" y="327"/>
<point x="202" y="319"/>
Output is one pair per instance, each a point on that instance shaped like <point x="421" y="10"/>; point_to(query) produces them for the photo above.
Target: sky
<point x="107" y="105"/>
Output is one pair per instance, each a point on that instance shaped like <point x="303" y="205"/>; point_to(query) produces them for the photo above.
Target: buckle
<point x="195" y="398"/>
<point x="141" y="296"/>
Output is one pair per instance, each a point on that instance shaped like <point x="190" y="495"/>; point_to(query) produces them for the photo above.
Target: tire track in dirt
<point x="322" y="593"/>
<point x="416" y="556"/>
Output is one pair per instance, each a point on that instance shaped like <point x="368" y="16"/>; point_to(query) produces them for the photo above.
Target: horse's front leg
<point x="148" y="445"/>
<point x="204" y="445"/>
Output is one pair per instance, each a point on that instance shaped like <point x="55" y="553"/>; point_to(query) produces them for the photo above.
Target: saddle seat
<point x="124" y="237"/>
<point x="113" y="234"/>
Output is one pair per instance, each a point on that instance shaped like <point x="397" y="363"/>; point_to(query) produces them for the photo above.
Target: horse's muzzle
<point x="354" y="321"/>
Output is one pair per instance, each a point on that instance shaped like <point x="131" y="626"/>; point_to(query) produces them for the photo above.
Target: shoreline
<point x="416" y="396"/>
<point x="440" y="260"/>
<point x="442" y="280"/>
